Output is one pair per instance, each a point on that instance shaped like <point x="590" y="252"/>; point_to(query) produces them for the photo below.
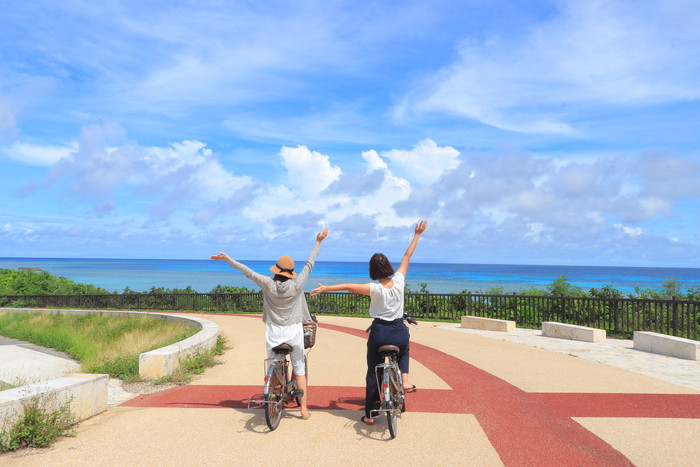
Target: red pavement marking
<point x="624" y="405"/>
<point x="524" y="428"/>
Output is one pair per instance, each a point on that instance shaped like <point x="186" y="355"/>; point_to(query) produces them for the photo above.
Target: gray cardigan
<point x="284" y="303"/>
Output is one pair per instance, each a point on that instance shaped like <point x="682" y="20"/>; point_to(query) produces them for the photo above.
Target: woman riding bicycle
<point x="285" y="308"/>
<point x="386" y="307"/>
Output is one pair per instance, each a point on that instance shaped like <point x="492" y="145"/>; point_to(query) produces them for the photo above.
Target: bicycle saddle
<point x="388" y="349"/>
<point x="283" y="349"/>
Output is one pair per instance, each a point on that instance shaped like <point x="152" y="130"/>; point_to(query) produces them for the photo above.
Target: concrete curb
<point x="86" y="394"/>
<point x="164" y="361"/>
<point x="89" y="392"/>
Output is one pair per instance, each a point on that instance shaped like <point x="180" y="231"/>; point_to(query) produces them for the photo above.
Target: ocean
<point x="204" y="275"/>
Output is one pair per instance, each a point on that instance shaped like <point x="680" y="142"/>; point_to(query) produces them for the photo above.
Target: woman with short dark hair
<point x="386" y="307"/>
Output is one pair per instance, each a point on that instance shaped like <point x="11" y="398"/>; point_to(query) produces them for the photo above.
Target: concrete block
<point x="487" y="324"/>
<point x="87" y="391"/>
<point x="572" y="332"/>
<point x="671" y="346"/>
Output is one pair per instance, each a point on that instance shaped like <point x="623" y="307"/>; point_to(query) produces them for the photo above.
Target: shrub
<point x="39" y="425"/>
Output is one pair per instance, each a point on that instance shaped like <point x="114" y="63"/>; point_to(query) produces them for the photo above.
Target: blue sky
<point x="539" y="132"/>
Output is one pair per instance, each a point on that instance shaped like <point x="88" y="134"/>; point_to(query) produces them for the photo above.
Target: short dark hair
<point x="380" y="267"/>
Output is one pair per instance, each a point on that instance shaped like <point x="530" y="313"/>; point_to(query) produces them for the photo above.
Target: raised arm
<point x="311" y="260"/>
<point x="420" y="228"/>
<point x="362" y="289"/>
<point x="259" y="279"/>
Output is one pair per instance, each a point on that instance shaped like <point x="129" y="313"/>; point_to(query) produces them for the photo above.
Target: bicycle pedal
<point x="297" y="393"/>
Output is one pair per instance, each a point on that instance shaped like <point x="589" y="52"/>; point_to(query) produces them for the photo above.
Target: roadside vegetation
<point x="41" y="422"/>
<point x="28" y="282"/>
<point x="100" y="342"/>
<point x="561" y="287"/>
<point x="15" y="282"/>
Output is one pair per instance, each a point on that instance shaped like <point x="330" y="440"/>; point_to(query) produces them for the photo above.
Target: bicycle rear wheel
<point x="273" y="402"/>
<point x="391" y="400"/>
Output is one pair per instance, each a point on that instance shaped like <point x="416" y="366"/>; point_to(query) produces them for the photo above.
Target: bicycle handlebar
<point x="410" y="319"/>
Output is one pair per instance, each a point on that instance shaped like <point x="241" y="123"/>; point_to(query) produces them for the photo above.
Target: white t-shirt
<point x="387" y="304"/>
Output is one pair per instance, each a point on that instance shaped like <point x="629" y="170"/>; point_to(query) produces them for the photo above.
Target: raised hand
<point x="318" y="290"/>
<point x="321" y="235"/>
<point x="221" y="255"/>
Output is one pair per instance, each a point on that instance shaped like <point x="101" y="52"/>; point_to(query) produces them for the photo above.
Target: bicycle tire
<point x="392" y="403"/>
<point x="273" y="402"/>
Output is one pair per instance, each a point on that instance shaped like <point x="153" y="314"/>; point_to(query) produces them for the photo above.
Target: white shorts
<point x="292" y="335"/>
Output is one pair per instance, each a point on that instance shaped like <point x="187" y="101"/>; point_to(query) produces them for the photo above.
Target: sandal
<point x="367" y="421"/>
<point x="413" y="388"/>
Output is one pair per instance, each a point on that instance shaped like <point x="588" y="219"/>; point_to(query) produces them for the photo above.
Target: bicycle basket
<point x="309" y="334"/>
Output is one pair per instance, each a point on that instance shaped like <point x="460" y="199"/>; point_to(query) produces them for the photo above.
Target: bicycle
<point x="392" y="394"/>
<point x="280" y="388"/>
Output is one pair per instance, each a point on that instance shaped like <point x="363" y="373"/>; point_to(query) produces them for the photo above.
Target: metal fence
<point x="620" y="317"/>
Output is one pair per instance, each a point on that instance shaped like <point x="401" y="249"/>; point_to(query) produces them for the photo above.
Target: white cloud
<point x="423" y="164"/>
<point x="39" y="155"/>
<point x="373" y="161"/>
<point x="106" y="165"/>
<point x="304" y="191"/>
<point x="600" y="52"/>
<point x="487" y="201"/>
<point x="309" y="172"/>
<point x="630" y="231"/>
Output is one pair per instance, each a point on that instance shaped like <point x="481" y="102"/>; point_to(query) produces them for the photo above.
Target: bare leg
<point x="301" y="384"/>
<point x="406" y="384"/>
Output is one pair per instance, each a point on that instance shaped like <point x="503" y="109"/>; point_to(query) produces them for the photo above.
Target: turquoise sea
<point x="204" y="275"/>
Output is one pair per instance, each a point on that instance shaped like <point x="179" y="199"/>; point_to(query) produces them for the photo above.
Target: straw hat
<point x="284" y="267"/>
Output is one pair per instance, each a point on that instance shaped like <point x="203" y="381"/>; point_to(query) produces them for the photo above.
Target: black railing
<point x="620" y="317"/>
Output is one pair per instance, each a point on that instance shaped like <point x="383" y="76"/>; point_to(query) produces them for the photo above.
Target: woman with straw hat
<point x="285" y="308"/>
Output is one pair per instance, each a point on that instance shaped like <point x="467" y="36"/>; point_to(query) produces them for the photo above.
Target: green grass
<point x="101" y="342"/>
<point x="196" y="363"/>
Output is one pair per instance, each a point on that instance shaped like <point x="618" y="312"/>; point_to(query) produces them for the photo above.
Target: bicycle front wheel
<point x="274" y="402"/>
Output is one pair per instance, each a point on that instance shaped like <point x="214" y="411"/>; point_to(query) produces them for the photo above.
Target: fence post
<point x="674" y="305"/>
<point x="563" y="309"/>
<point x="427" y="305"/>
<point x="616" y="315"/>
<point x="469" y="303"/>
<point x="515" y="306"/>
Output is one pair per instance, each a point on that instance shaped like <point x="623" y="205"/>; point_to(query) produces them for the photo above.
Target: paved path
<point x="483" y="400"/>
<point x="23" y="363"/>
